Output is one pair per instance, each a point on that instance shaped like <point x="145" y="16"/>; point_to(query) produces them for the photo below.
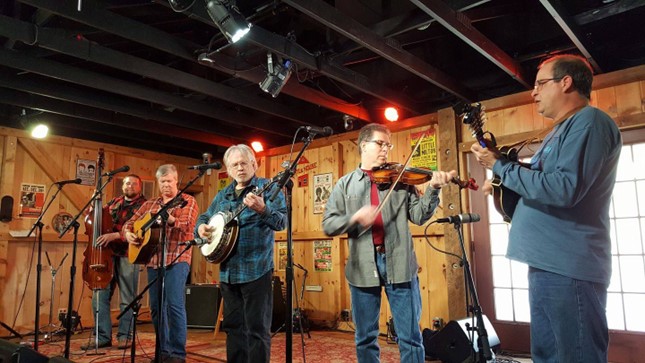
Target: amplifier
<point x="202" y="305"/>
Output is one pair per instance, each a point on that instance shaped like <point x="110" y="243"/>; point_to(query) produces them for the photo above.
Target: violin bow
<point x="398" y="177"/>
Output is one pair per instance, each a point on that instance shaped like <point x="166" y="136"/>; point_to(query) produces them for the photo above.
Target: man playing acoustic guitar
<point x="561" y="223"/>
<point x="245" y="277"/>
<point x="179" y="228"/>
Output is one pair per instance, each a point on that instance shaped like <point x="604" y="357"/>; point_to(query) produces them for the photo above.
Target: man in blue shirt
<point x="561" y="223"/>
<point x="245" y="276"/>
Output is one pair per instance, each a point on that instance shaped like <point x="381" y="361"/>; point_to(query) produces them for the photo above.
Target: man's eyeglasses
<point x="541" y="82"/>
<point x="382" y="144"/>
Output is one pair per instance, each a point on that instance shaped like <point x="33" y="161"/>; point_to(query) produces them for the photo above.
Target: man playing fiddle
<point x="381" y="247"/>
<point x="125" y="274"/>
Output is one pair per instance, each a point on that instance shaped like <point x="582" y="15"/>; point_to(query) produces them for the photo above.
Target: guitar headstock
<point x="472" y="115"/>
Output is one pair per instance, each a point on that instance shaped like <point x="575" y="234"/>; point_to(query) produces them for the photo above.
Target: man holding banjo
<point x="246" y="274"/>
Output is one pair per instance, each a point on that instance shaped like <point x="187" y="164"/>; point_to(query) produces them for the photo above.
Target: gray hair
<point x="166" y="169"/>
<point x="244" y="150"/>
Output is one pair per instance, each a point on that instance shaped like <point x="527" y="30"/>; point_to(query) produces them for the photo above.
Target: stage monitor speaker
<point x="452" y="343"/>
<point x="14" y="353"/>
<point x="202" y="305"/>
<point x="6" y="207"/>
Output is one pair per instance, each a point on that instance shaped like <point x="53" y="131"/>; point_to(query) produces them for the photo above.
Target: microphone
<point x="199" y="241"/>
<point x="71" y="181"/>
<point x="322" y="131"/>
<point x="122" y="169"/>
<point x="216" y="165"/>
<point x="460" y="218"/>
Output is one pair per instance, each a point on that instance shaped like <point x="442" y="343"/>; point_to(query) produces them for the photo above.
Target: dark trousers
<point x="248" y="309"/>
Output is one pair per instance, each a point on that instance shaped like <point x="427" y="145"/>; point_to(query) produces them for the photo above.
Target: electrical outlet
<point x="346" y="315"/>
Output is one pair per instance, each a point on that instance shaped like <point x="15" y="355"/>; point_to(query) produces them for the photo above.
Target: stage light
<point x="257" y="146"/>
<point x="228" y="19"/>
<point x="277" y="76"/>
<point x="391" y="114"/>
<point x="39" y="131"/>
<point x="181" y="5"/>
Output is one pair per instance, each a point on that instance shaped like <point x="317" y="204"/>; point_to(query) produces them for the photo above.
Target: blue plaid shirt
<point x="253" y="255"/>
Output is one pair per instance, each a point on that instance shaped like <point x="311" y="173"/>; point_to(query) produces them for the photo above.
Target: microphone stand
<point x="72" y="270"/>
<point x="163" y="214"/>
<point x="135" y="305"/>
<point x="484" y="353"/>
<point x="39" y="265"/>
<point x="284" y="181"/>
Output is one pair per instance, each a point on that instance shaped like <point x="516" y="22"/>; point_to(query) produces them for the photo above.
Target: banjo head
<point x="218" y="223"/>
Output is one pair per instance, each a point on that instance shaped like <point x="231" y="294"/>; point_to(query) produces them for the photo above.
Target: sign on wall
<point x="322" y="190"/>
<point x="86" y="171"/>
<point x="426" y="154"/>
<point x="32" y="199"/>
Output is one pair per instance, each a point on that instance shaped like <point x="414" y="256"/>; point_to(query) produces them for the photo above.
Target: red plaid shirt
<point x="181" y="231"/>
<point x="121" y="211"/>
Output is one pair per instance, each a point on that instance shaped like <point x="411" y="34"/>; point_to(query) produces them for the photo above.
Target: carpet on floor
<point x="319" y="348"/>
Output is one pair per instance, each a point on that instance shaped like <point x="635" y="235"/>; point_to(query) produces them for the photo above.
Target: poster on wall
<point x="322" y="190"/>
<point x="86" y="171"/>
<point x="222" y="180"/>
<point x="426" y="155"/>
<point x="282" y="256"/>
<point x="32" y="199"/>
<point x="322" y="256"/>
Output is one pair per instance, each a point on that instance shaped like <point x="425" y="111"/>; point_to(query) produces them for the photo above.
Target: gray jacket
<point x="351" y="193"/>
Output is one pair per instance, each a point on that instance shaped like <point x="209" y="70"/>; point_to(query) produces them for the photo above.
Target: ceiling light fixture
<point x="391" y="114"/>
<point x="228" y="19"/>
<point x="257" y="146"/>
<point x="39" y="131"/>
<point x="277" y="76"/>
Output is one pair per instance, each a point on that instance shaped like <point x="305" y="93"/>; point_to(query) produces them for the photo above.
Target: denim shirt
<point x="253" y="255"/>
<point x="561" y="222"/>
<point x="351" y="193"/>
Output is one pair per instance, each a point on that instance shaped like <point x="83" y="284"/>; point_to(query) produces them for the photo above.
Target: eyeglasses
<point x="541" y="82"/>
<point x="382" y="144"/>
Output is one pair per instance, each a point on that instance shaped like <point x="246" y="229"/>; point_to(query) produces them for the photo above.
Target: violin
<point x="389" y="172"/>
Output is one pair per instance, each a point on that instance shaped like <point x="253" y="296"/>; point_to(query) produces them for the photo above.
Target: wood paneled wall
<point x="26" y="160"/>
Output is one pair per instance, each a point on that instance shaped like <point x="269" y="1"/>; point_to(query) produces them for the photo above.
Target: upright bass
<point x="98" y="264"/>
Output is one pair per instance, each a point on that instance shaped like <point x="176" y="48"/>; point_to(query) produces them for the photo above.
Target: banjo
<point x="226" y="228"/>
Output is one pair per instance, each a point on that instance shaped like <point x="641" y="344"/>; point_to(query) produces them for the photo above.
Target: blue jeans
<point x="568" y="320"/>
<point x="248" y="309"/>
<point x="126" y="275"/>
<point x="172" y="322"/>
<point x="405" y="303"/>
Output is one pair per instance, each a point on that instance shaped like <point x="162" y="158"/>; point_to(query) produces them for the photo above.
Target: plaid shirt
<point x="253" y="255"/>
<point x="121" y="211"/>
<point x="181" y="231"/>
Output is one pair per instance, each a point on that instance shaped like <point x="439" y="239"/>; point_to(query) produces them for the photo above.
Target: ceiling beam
<point x="458" y="24"/>
<point x="96" y="16"/>
<point x="79" y="47"/>
<point x="556" y="10"/>
<point x="86" y="78"/>
<point x="389" y="49"/>
<point x="56" y="106"/>
<point x="615" y="8"/>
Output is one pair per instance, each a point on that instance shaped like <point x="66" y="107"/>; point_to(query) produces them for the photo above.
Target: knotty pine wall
<point x="26" y="160"/>
<point x="511" y="118"/>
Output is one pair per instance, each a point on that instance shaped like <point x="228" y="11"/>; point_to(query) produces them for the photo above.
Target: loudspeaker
<point x="202" y="305"/>
<point x="14" y="353"/>
<point x="6" y="206"/>
<point x="452" y="343"/>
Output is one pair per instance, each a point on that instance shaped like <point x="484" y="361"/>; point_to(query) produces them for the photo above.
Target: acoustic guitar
<point x="504" y="199"/>
<point x="142" y="253"/>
